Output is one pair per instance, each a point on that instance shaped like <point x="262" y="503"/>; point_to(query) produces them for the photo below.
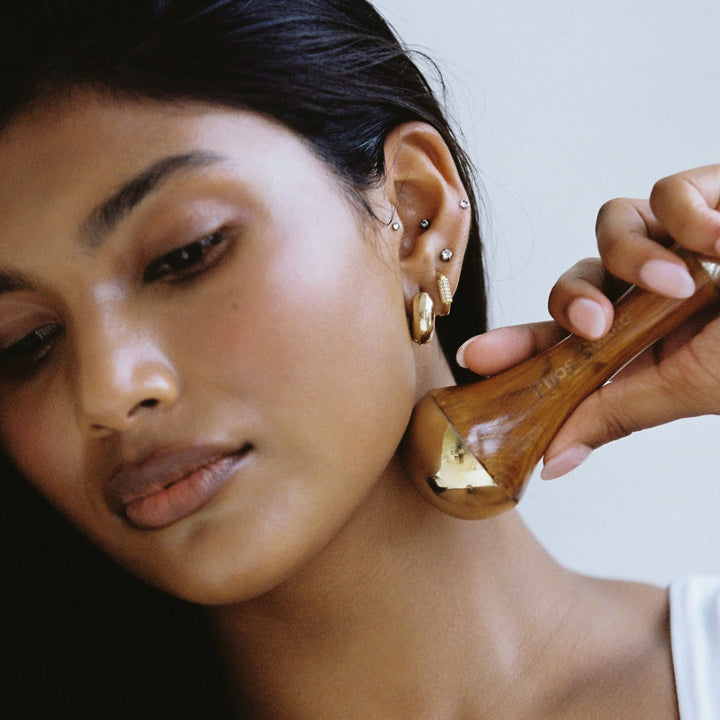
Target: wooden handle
<point x="507" y="421"/>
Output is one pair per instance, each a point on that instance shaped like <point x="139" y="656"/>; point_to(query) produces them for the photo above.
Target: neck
<point x="390" y="615"/>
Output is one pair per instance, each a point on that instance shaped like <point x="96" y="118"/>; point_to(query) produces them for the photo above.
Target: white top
<point x="695" y="633"/>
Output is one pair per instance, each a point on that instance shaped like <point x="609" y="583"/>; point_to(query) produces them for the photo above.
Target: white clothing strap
<point x="695" y="633"/>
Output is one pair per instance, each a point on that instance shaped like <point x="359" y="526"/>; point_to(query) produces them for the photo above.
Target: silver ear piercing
<point x="464" y="204"/>
<point x="424" y="223"/>
<point x="395" y="226"/>
<point x="446" y="255"/>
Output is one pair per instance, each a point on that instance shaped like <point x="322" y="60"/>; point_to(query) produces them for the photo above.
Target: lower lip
<point x="184" y="497"/>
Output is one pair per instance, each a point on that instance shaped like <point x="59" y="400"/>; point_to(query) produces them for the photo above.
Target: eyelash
<point x="27" y="353"/>
<point x="179" y="265"/>
<point x="188" y="261"/>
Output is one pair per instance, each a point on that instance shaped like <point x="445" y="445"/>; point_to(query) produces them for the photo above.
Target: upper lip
<point x="161" y="468"/>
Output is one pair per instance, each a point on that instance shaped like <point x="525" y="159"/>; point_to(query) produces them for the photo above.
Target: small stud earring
<point x="446" y="255"/>
<point x="446" y="296"/>
<point x="464" y="204"/>
<point x="424" y="223"/>
<point x="423" y="318"/>
<point x="395" y="226"/>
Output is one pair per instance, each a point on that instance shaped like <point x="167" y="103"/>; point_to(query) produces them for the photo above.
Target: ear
<point x="423" y="184"/>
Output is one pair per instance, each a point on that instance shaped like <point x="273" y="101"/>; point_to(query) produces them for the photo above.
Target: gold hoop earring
<point x="423" y="318"/>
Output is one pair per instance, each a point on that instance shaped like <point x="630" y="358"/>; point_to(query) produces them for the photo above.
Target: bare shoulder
<point x="624" y="660"/>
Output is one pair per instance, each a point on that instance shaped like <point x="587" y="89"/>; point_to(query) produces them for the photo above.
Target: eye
<point x="188" y="261"/>
<point x="27" y="353"/>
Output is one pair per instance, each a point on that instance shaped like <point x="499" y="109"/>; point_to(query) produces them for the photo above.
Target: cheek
<point x="44" y="445"/>
<point x="305" y="324"/>
<point x="350" y="383"/>
<point x="330" y="340"/>
<point x="315" y="351"/>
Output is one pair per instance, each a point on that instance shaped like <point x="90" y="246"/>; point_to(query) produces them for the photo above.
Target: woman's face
<point x="204" y="355"/>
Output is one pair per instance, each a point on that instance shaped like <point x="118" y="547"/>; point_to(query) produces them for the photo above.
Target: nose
<point x="122" y="377"/>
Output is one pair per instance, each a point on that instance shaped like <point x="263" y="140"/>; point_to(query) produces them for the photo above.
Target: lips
<point x="168" y="486"/>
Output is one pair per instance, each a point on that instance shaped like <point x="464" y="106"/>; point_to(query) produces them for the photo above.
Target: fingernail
<point x="564" y="462"/>
<point x="587" y="315"/>
<point x="667" y="278"/>
<point x="460" y="355"/>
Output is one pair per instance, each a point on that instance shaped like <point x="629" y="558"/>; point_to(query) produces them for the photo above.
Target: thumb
<point x="642" y="400"/>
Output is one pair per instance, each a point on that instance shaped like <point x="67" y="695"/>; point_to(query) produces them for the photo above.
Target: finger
<point x="578" y="303"/>
<point x="605" y="416"/>
<point x="629" y="239"/>
<point x="687" y="206"/>
<point x="646" y="398"/>
<point x="497" y="350"/>
<point x="672" y="343"/>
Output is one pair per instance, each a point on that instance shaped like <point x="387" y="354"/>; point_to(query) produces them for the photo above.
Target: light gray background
<point x="565" y="104"/>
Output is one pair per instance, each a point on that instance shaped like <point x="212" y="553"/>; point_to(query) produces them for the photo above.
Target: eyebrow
<point x="105" y="217"/>
<point x="12" y="282"/>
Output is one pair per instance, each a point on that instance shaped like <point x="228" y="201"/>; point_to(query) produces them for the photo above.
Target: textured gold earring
<point x="423" y="318"/>
<point x="446" y="296"/>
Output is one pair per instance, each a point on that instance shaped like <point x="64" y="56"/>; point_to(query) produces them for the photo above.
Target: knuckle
<point x="615" y="419"/>
<point x="555" y="297"/>
<point x="696" y="381"/>
<point x="674" y="200"/>
<point x="618" y="425"/>
<point x="662" y="190"/>
<point x="591" y="270"/>
<point x="605" y="420"/>
<point x="608" y="209"/>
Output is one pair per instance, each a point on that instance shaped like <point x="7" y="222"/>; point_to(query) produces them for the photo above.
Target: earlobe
<point x="431" y="206"/>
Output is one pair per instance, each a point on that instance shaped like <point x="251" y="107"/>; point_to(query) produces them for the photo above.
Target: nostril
<point x="147" y="404"/>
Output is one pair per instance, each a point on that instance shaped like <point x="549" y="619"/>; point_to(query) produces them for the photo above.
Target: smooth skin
<point x="251" y="344"/>
<point x="336" y="591"/>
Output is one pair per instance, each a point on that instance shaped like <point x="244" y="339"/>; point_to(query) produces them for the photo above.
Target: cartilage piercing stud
<point x="424" y="223"/>
<point x="395" y="226"/>
<point x="464" y="204"/>
<point x="446" y="255"/>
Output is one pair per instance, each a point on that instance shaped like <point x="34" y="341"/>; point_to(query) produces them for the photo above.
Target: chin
<point x="206" y="584"/>
<point x="215" y="566"/>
